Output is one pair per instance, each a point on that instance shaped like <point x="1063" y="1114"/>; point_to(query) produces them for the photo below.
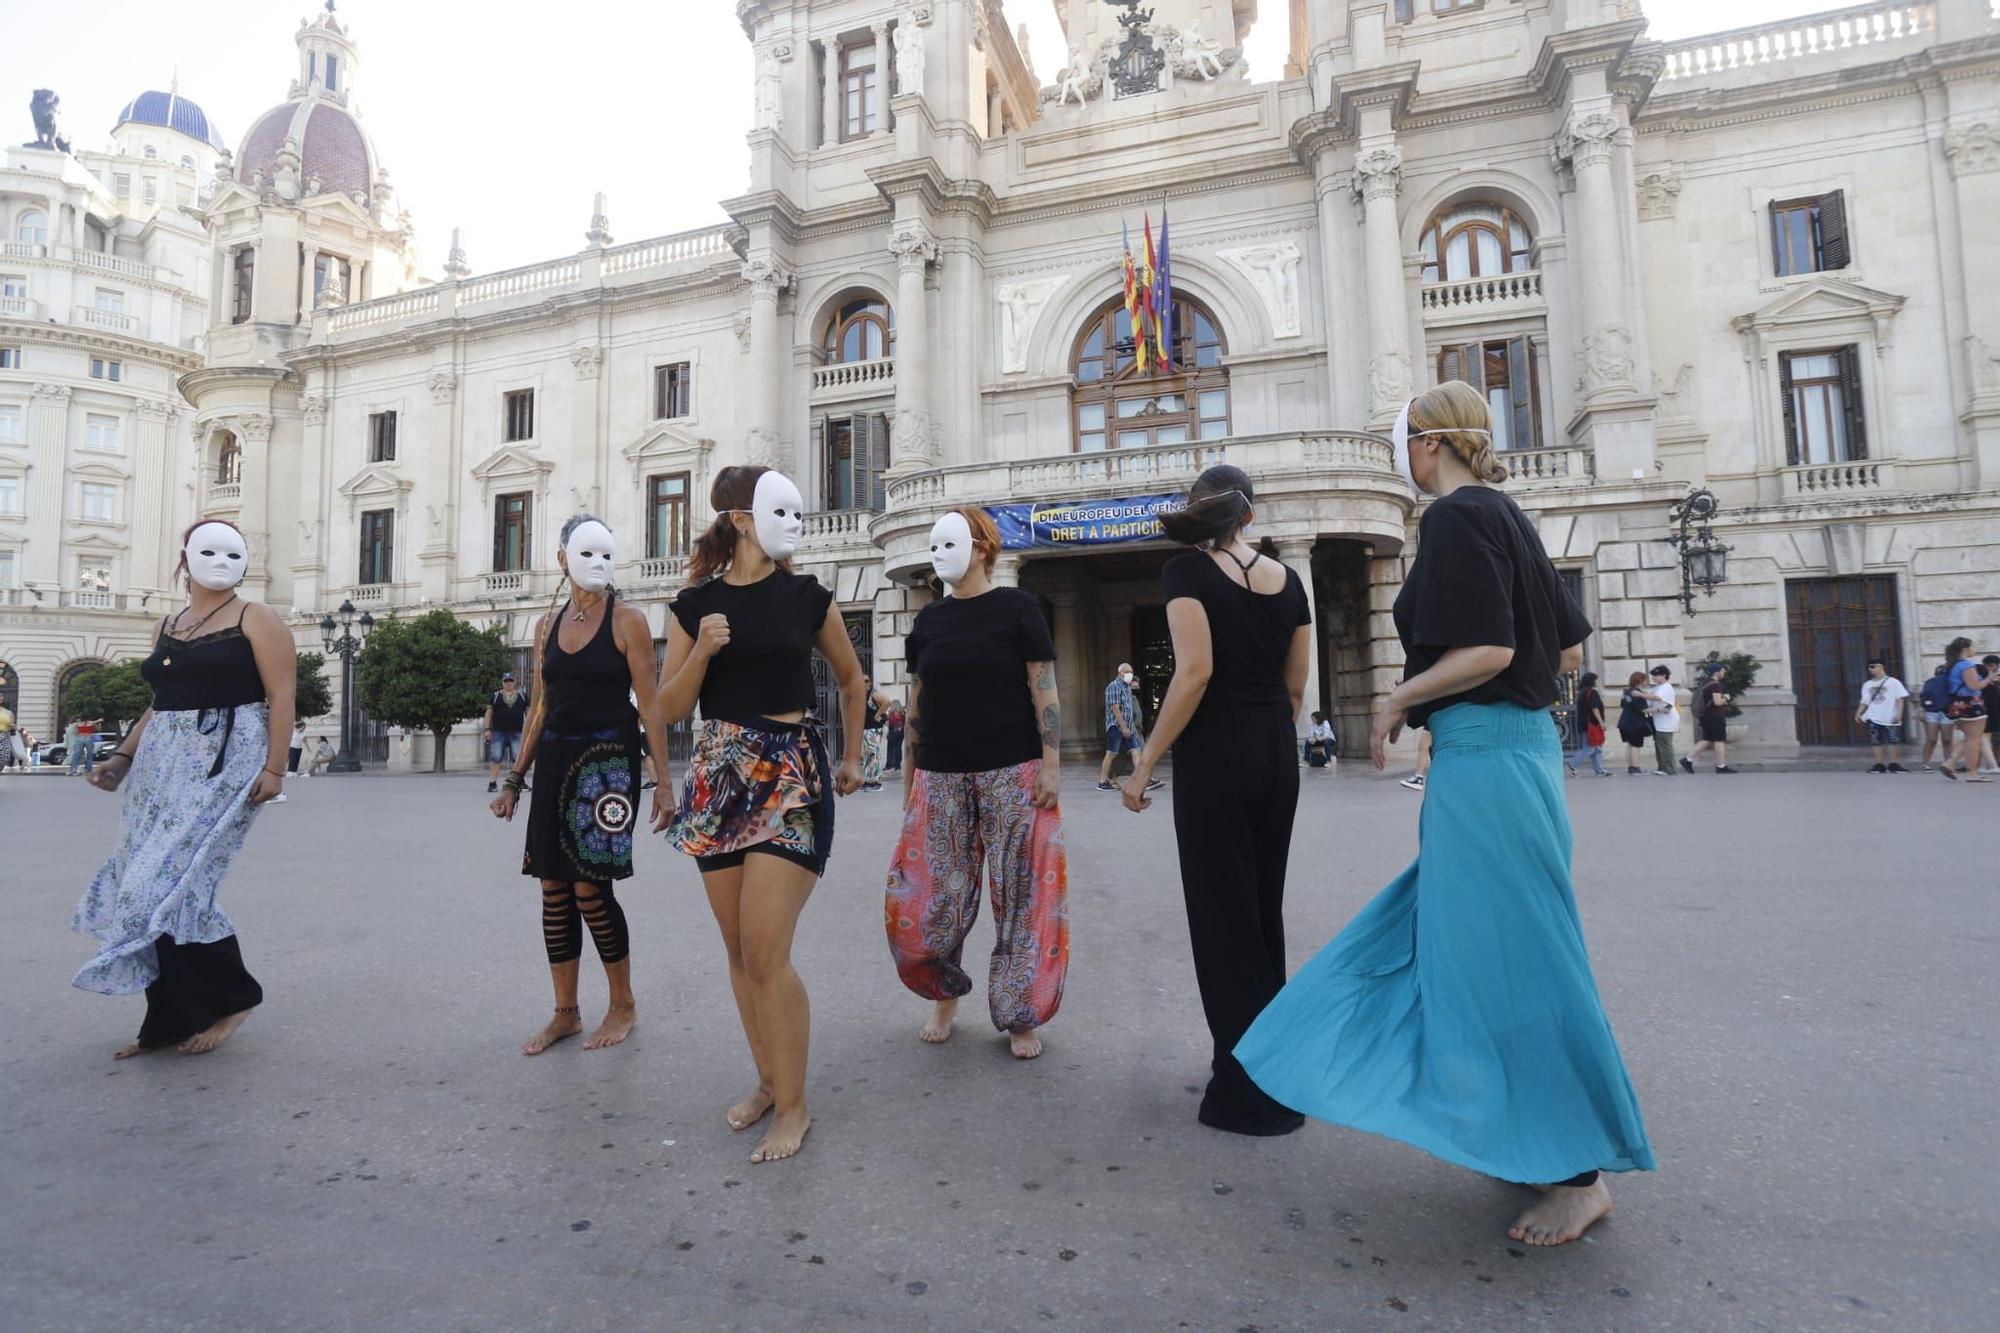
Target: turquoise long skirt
<point x="1457" y="1011"/>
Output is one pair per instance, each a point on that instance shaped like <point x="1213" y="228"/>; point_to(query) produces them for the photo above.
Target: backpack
<point x="1936" y="694"/>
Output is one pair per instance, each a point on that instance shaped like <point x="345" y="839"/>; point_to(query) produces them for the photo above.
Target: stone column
<point x="830" y="99"/>
<point x="48" y="448"/>
<point x="1007" y="571"/>
<point x="437" y="546"/>
<point x="1586" y="142"/>
<point x="885" y="65"/>
<point x="913" y="439"/>
<point x="1080" y="720"/>
<point x="1297" y="553"/>
<point x="1378" y="176"/>
<point x="763" y="441"/>
<point x="308" y="298"/>
<point x="253" y="434"/>
<point x="1972" y="161"/>
<point x="151" y="497"/>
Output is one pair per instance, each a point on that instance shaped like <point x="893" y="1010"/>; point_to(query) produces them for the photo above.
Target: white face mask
<point x="1127" y="676"/>
<point x="591" y="554"/>
<point x="951" y="548"/>
<point x="1399" y="443"/>
<point x="217" y="559"/>
<point x="780" y="515"/>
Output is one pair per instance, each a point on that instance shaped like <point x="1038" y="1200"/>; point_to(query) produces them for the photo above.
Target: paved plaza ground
<point x="1799" y="967"/>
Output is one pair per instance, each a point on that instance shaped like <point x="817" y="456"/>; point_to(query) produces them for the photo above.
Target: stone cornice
<point x="196" y="381"/>
<point x="770" y="208"/>
<point x="71" y="335"/>
<point x="922" y="178"/>
<point x="1602" y="47"/>
<point x="1383" y="85"/>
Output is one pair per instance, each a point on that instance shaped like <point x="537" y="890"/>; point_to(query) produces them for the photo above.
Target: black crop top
<point x="216" y="670"/>
<point x="591" y="687"/>
<point x="766" y="667"/>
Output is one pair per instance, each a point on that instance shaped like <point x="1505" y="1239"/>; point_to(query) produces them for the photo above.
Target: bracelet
<point x="276" y="773"/>
<point x="116" y="754"/>
<point x="514" y="782"/>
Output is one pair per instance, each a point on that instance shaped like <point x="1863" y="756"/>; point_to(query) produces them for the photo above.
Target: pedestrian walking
<point x="1935" y="698"/>
<point x="1417" y="779"/>
<point x="898" y="722"/>
<point x="1242" y="634"/>
<point x="1989" y="696"/>
<point x="874" y="735"/>
<point x="1635" y="720"/>
<point x="1967" y="709"/>
<point x="980" y="791"/>
<point x="1882" y="697"/>
<point x="201" y="761"/>
<point x="1320" y="742"/>
<point x="1457" y="1011"/>
<point x="1666" y="714"/>
<point x="506" y="718"/>
<point x="756" y="812"/>
<point x="83" y="740"/>
<point x="1121" y="725"/>
<point x="296" y="749"/>
<point x="1590" y="709"/>
<point x="580" y="737"/>
<point x="1711" y="717"/>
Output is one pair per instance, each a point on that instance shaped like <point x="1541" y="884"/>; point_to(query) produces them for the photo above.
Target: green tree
<point x="110" y="692"/>
<point x="1739" y="673"/>
<point x="315" y="696"/>
<point x="432" y="673"/>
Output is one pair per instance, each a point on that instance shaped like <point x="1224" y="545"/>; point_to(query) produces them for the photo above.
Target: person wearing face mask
<point x="582" y="739"/>
<point x="1121" y="725"/>
<point x="202" y="760"/>
<point x="1457" y="1012"/>
<point x="1242" y="630"/>
<point x="756" y="810"/>
<point x="980" y="786"/>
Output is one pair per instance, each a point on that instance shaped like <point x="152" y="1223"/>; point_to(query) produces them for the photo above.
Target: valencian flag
<point x="1132" y="292"/>
<point x="1163" y="301"/>
<point x="1144" y="329"/>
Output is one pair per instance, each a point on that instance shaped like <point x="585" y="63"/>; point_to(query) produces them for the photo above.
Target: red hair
<point x="985" y="534"/>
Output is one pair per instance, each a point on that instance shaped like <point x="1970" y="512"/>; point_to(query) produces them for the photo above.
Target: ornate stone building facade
<point x="1747" y="261"/>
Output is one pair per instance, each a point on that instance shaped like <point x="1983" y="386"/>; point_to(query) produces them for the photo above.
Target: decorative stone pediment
<point x="1822" y="300"/>
<point x="666" y="447"/>
<point x="340" y="207"/>
<point x="511" y="462"/>
<point x="94" y="543"/>
<point x="99" y="469"/>
<point x="376" y="481"/>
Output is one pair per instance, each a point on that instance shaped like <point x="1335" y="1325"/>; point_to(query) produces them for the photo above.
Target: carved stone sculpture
<point x="1388" y="381"/>
<point x="587" y="358"/>
<point x="313" y="407"/>
<point x="1972" y="147"/>
<point x="1657" y="192"/>
<point x="1021" y="305"/>
<point x="763" y="447"/>
<point x="443" y="383"/>
<point x="769" y="111"/>
<point x="1676" y="399"/>
<point x="1378" y="173"/>
<point x="1606" y="360"/>
<point x="45" y="107"/>
<point x="1074" y="78"/>
<point x="1203" y="55"/>
<point x="1273" y="270"/>
<point x="909" y="57"/>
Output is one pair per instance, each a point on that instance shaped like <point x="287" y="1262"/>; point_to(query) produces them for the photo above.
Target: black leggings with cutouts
<point x="567" y="908"/>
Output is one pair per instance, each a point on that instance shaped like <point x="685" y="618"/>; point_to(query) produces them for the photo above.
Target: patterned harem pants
<point x="955" y="823"/>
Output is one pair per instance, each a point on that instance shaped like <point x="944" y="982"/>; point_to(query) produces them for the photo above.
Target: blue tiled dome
<point x="171" y="111"/>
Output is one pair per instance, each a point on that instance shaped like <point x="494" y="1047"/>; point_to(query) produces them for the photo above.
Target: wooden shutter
<point x="1471" y="359"/>
<point x="1849" y="361"/>
<point x="1833" y="230"/>
<point x="878" y="464"/>
<point x="528" y="525"/>
<point x="385" y="568"/>
<point x="1791" y="409"/>
<point x="499" y="533"/>
<point x="1521" y="389"/>
<point x="367" y="534"/>
<point x="823" y="462"/>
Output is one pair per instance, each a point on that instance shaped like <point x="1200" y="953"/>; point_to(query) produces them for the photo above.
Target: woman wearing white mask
<point x="582" y="737"/>
<point x="756" y="812"/>
<point x="1457" y="1011"/>
<point x="980" y="783"/>
<point x="201" y="760"/>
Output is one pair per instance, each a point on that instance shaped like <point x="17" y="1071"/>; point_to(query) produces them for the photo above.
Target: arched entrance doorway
<point x="66" y="678"/>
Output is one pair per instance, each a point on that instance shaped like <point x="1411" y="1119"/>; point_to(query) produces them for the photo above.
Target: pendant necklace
<point x="168" y="660"/>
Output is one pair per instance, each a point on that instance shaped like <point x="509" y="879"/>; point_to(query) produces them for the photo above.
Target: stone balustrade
<point x="1768" y="44"/>
<point x="662" y="569"/>
<point x="226" y="493"/>
<point x="385" y="310"/>
<point x="115" y="320"/>
<point x="1548" y="467"/>
<point x="369" y="594"/>
<point x="21" y="307"/>
<point x="518" y="282"/>
<point x="664" y="251"/>
<point x="505" y="584"/>
<point x="1483" y="298"/>
<point x="22" y="250"/>
<point x="855" y="379"/>
<point x="93" y="601"/>
<point x="1836" y="481"/>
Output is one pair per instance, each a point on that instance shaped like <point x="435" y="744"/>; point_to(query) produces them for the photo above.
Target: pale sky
<point x="504" y="117"/>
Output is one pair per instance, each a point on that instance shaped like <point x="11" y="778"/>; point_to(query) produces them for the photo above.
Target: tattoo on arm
<point x="1051" y="727"/>
<point x="1047" y="679"/>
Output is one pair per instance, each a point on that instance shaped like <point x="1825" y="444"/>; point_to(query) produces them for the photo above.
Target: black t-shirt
<point x="766" y="667"/>
<point x="1250" y="633"/>
<point x="509" y="719"/>
<point x="1590" y="708"/>
<point x="971" y="657"/>
<point x="1483" y="578"/>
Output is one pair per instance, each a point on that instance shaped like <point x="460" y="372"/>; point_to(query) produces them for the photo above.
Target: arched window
<point x="64" y="680"/>
<point x="32" y="228"/>
<point x="187" y="163"/>
<point x="10" y="692"/>
<point x="229" y="462"/>
<point x="1116" y="407"/>
<point x="1475" y="240"/>
<point x="863" y="329"/>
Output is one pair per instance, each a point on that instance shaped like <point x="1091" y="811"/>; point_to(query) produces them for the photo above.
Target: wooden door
<point x="1836" y="626"/>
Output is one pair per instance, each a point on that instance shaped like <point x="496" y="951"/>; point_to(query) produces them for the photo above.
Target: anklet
<point x="568" y="1009"/>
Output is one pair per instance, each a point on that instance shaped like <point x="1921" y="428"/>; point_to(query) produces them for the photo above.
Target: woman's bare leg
<point x="725" y="898"/>
<point x="1564" y="1213"/>
<point x="774" y="893"/>
<point x="558" y="924"/>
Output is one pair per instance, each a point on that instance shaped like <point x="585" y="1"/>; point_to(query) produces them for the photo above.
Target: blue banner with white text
<point x="1025" y="527"/>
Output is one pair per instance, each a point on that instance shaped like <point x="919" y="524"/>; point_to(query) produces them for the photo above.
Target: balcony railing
<point x="1794" y="39"/>
<point x="131" y="268"/>
<point x="92" y="601"/>
<point x="22" y="250"/>
<point x="115" y="320"/>
<point x="1548" y="467"/>
<point x="855" y="379"/>
<point x="1837" y="481"/>
<point x="21" y="307"/>
<point x="838" y="525"/>
<point x="1483" y="298"/>
<point x="409" y="305"/>
<point x="663" y="569"/>
<point x="518" y="282"/>
<point x="225" y="493"/>
<point x="369" y="594"/>
<point x="506" y="584"/>
<point x="711" y="243"/>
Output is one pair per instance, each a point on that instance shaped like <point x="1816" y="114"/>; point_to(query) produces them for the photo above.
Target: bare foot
<point x="566" y="1023"/>
<point x="206" y="1040"/>
<point x="782" y="1139"/>
<point x="939" y="1027"/>
<point x="127" y="1052"/>
<point x="750" y="1110"/>
<point x="1026" y="1045"/>
<point x="1564" y="1214"/>
<point x="619" y="1020"/>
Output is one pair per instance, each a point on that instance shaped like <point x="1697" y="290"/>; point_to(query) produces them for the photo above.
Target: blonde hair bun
<point x="1456" y="413"/>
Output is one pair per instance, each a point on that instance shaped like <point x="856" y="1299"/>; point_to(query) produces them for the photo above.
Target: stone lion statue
<point x="48" y="130"/>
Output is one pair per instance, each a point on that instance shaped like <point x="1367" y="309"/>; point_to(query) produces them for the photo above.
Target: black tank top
<point x="216" y="670"/>
<point x="591" y="686"/>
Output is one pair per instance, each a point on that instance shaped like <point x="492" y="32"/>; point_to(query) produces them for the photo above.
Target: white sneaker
<point x="279" y="797"/>
<point x="1415" y="782"/>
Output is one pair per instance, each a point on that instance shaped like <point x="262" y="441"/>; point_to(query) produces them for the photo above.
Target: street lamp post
<point x="1704" y="560"/>
<point x="347" y="647"/>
